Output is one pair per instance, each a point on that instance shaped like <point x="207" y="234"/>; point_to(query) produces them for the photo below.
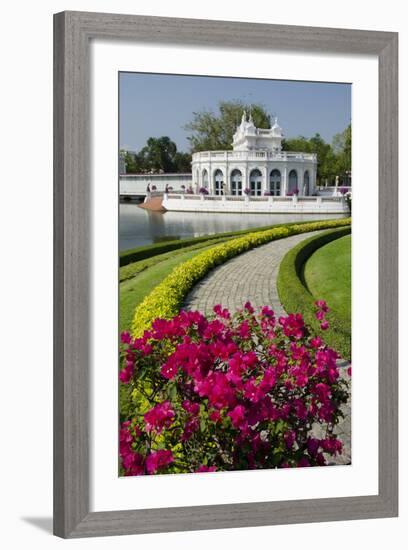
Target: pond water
<point x="138" y="227"/>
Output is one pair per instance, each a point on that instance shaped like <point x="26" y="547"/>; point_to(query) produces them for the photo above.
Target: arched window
<point x="293" y="181"/>
<point x="236" y="182"/>
<point x="205" y="179"/>
<point x="219" y="182"/>
<point x="275" y="180"/>
<point x="255" y="183"/>
<point x="306" y="183"/>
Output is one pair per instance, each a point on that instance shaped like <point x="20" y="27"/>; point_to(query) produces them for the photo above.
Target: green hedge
<point x="166" y="299"/>
<point x="295" y="297"/>
<point x="143" y="252"/>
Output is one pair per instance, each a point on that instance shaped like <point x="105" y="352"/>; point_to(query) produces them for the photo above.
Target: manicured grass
<point x="327" y="274"/>
<point x="130" y="270"/>
<point x="296" y="297"/>
<point x="133" y="290"/>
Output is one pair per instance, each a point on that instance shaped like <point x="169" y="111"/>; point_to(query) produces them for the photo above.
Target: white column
<point x="284" y="182"/>
<point x="313" y="179"/>
<point x="300" y="173"/>
<point x="266" y="180"/>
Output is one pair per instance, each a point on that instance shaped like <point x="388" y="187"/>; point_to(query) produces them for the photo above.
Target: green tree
<point x="211" y="131"/>
<point x="134" y="163"/>
<point x="158" y="155"/>
<point x="326" y="158"/>
<point x="342" y="150"/>
<point x="182" y="162"/>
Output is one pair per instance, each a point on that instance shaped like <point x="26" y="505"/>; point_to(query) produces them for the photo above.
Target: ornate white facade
<point x="256" y="164"/>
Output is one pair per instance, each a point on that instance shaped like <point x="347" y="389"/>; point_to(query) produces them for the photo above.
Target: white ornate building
<point x="256" y="163"/>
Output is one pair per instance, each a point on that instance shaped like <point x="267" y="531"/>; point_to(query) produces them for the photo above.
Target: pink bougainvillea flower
<point x="316" y="342"/>
<point x="125" y="375"/>
<point x="313" y="445"/>
<point x="293" y="325"/>
<point x="324" y="325"/>
<point x="244" y="330"/>
<point x="248" y="306"/>
<point x="221" y="312"/>
<point x="321" y="304"/>
<point x="266" y="311"/>
<point x="269" y="379"/>
<point x="290" y="438"/>
<point x="190" y="406"/>
<point x="252" y="392"/>
<point x="320" y="315"/>
<point x="125" y="337"/>
<point x="191" y="426"/>
<point x="237" y="416"/>
<point x="332" y="445"/>
<point x="204" y="468"/>
<point x="215" y="416"/>
<point x="157" y="460"/>
<point x="322" y="391"/>
<point x="159" y="417"/>
<point x="170" y="368"/>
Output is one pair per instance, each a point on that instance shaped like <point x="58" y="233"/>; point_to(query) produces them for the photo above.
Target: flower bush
<point x="166" y="299"/>
<point x="229" y="392"/>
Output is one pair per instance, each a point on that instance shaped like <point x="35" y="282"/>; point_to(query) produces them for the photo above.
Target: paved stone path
<point x="252" y="276"/>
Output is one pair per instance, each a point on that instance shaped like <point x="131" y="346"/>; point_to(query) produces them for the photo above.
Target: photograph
<point x="234" y="239"/>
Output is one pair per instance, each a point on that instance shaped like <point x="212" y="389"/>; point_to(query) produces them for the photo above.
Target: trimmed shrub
<point x="166" y="299"/>
<point x="294" y="295"/>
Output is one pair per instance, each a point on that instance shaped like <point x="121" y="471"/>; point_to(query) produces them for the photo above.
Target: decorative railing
<point x="265" y="198"/>
<point x="253" y="155"/>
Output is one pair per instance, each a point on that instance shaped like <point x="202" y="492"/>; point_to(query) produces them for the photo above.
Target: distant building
<point x="257" y="164"/>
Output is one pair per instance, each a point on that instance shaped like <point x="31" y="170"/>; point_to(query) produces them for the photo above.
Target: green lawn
<point x="133" y="290"/>
<point x="327" y="274"/>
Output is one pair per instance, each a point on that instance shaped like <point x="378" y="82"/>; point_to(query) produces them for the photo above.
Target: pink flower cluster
<point x="227" y="392"/>
<point x="322" y="310"/>
<point x="135" y="463"/>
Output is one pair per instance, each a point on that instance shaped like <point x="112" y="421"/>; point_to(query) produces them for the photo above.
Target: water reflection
<point x="138" y="227"/>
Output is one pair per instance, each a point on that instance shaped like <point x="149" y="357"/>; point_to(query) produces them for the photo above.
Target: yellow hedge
<point x="165" y="300"/>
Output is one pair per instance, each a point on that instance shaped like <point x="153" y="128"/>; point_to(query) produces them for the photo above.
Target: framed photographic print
<point x="225" y="274"/>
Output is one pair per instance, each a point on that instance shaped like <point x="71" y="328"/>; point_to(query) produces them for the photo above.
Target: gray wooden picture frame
<point x="72" y="34"/>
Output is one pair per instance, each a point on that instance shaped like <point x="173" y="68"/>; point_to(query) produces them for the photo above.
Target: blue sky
<point x="154" y="105"/>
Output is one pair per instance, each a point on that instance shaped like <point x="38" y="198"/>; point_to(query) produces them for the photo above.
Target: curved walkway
<point x="252" y="276"/>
